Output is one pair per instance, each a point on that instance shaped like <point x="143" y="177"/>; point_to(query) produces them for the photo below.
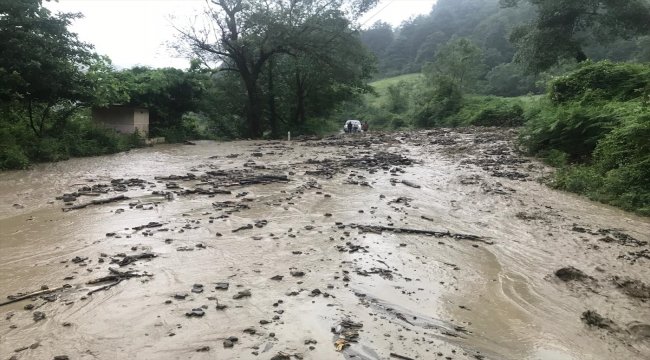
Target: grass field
<point x="381" y="86"/>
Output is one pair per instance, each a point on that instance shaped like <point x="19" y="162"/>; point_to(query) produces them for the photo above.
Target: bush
<point x="580" y="179"/>
<point x="601" y="81"/>
<point x="487" y="111"/>
<point x="623" y="159"/>
<point x="556" y="158"/>
<point x="435" y="105"/>
<point x="596" y="127"/>
<point x="49" y="150"/>
<point x="13" y="157"/>
<point x="575" y="128"/>
<point x="399" y="123"/>
<point x="504" y="115"/>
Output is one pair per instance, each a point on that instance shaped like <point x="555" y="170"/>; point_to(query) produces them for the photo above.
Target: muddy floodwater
<point x="425" y="245"/>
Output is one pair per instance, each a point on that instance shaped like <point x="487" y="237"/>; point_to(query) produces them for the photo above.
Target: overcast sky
<point x="136" y="32"/>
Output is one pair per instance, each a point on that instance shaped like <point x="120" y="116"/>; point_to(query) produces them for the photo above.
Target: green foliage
<point x="595" y="126"/>
<point x="21" y="147"/>
<point x="378" y="37"/>
<point x="623" y="158"/>
<point x="416" y="41"/>
<point x="584" y="106"/>
<point x="13" y="157"/>
<point x="581" y="179"/>
<point x="167" y="93"/>
<point x="187" y="129"/>
<point x="486" y="111"/>
<point x="398" y="98"/>
<point x="555" y="158"/>
<point x="510" y="80"/>
<point x="562" y="28"/>
<point x="434" y="105"/>
<point x="380" y="97"/>
<point x="602" y="80"/>
<point x="42" y="64"/>
<point x="460" y="60"/>
<point x="294" y="59"/>
<point x="574" y="128"/>
<point x="503" y="115"/>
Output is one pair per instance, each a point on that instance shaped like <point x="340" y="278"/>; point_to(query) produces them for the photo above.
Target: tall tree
<point x="378" y="38"/>
<point x="243" y="35"/>
<point x="42" y="63"/>
<point x="562" y="28"/>
<point x="460" y="60"/>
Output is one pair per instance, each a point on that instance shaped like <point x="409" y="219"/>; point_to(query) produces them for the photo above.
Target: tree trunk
<point x="300" y="116"/>
<point x="273" y="121"/>
<point x="253" y="106"/>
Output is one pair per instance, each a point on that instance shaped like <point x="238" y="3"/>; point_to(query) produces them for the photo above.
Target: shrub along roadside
<point x="19" y="147"/>
<point x="595" y="126"/>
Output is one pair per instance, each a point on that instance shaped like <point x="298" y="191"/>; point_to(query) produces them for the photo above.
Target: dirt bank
<point x="425" y="245"/>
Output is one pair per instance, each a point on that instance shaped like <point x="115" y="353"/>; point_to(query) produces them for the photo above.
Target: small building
<point x="123" y="119"/>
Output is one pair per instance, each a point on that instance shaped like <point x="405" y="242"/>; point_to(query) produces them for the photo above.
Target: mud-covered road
<point x="425" y="245"/>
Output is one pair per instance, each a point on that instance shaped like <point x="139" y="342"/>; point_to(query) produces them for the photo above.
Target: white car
<point x="352" y="126"/>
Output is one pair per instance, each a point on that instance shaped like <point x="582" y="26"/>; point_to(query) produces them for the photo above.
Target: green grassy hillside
<point x="381" y="87"/>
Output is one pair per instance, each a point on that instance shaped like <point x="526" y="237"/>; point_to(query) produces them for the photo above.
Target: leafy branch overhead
<point x="562" y="29"/>
<point x="243" y="36"/>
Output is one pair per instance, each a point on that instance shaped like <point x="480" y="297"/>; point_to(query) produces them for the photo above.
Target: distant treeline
<point x="493" y="26"/>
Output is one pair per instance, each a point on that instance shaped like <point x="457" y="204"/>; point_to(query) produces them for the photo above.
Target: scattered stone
<point x="198" y="312"/>
<point x="242" y="294"/>
<point x="247" y="227"/>
<point x="633" y="288"/>
<point x="592" y="318"/>
<point x="222" y="286"/>
<point x="38" y="315"/>
<point x="411" y="184"/>
<point x="570" y="273"/>
<point x="281" y="356"/>
<point x="78" y="260"/>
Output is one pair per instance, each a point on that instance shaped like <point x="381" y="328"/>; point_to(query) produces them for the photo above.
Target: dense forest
<point x="490" y="25"/>
<point x="573" y="75"/>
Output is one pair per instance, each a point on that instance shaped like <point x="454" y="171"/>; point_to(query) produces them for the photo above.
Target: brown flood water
<point x="419" y="296"/>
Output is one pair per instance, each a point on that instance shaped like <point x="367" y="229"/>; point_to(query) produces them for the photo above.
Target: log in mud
<point x="416" y="245"/>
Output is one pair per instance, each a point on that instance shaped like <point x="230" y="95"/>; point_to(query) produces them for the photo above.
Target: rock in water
<point x="570" y="273"/>
<point x="39" y="315"/>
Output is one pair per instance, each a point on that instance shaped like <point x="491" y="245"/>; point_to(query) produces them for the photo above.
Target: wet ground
<point x="424" y="245"/>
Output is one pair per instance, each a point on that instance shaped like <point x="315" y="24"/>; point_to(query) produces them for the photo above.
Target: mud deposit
<point x="424" y="245"/>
